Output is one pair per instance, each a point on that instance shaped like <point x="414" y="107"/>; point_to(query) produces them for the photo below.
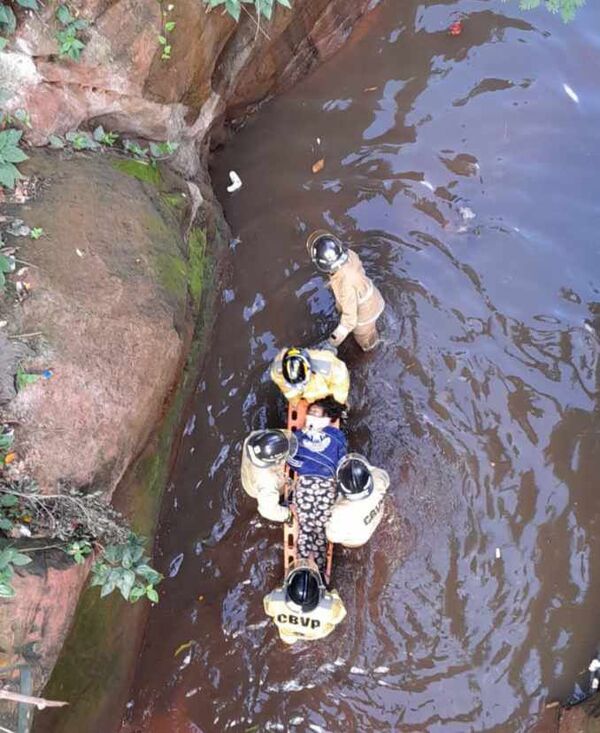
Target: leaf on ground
<point x="318" y="166"/>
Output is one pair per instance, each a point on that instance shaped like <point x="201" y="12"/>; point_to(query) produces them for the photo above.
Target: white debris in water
<point x="466" y="213"/>
<point x="381" y="670"/>
<point x="498" y="553"/>
<point x="428" y="185"/>
<point x="316" y="728"/>
<point x="246" y="582"/>
<point x="297" y="720"/>
<point x="191" y="693"/>
<point x="175" y="565"/>
<point x="236" y="182"/>
<point x="588" y="327"/>
<point x="318" y="141"/>
<point x="570" y="93"/>
<point x="383" y="683"/>
<point x="186" y="660"/>
<point x="129" y="705"/>
<point x="340" y="662"/>
<point x="190" y="425"/>
<point x="357" y="670"/>
<point x="275" y="726"/>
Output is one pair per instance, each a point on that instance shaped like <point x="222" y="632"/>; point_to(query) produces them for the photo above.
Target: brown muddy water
<point x="466" y="176"/>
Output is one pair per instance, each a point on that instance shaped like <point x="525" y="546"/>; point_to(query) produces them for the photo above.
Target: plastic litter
<point x="318" y="166"/>
<point x="498" y="553"/>
<point x="570" y="93"/>
<point x="456" y="28"/>
<point x="236" y="182"/>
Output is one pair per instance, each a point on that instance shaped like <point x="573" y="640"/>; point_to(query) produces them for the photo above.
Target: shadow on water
<point x="465" y="176"/>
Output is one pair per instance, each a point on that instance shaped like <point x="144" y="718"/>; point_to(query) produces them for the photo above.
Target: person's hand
<point x="293" y="515"/>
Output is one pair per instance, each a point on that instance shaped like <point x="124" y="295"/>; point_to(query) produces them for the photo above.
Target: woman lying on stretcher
<point x="320" y="448"/>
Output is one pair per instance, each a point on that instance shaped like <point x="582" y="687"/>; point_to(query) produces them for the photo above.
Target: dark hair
<point x="330" y="407"/>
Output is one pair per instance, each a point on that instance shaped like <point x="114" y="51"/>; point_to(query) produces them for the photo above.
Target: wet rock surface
<point x="217" y="67"/>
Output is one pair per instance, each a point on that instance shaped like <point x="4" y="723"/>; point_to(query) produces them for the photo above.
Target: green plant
<point x="81" y="140"/>
<point x="9" y="511"/>
<point x="168" y="27"/>
<point x="234" y="7"/>
<point x="566" y="8"/>
<point x="10" y="153"/>
<point x="56" y="142"/>
<point x="125" y="567"/>
<point x="7" y="264"/>
<point x="9" y="558"/>
<point x="23" y="378"/>
<point x="79" y="550"/>
<point x="105" y="138"/>
<point x="37" y="232"/>
<point x="132" y="147"/>
<point x="161" y="150"/>
<point x="8" y="19"/>
<point x="70" y="45"/>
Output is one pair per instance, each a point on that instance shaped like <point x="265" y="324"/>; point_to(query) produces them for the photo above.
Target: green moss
<point x="175" y="201"/>
<point x="172" y="273"/>
<point x="196" y="258"/>
<point x="138" y="169"/>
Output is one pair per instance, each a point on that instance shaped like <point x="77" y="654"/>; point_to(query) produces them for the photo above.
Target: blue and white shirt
<point x="319" y="452"/>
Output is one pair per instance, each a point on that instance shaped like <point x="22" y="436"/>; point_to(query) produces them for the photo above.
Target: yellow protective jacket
<point x="357" y="299"/>
<point x="330" y="376"/>
<point x="317" y="624"/>
<point x="353" y="522"/>
<point x="265" y="485"/>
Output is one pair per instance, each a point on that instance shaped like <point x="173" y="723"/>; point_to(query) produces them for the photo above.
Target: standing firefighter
<point x="310" y="374"/>
<point x="358" y="301"/>
<point x="302" y="608"/>
<point x="358" y="509"/>
<point x="263" y="460"/>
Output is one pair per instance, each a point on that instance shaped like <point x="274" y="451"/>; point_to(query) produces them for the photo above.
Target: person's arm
<point x="270" y="508"/>
<point x="348" y="306"/>
<point x="381" y="479"/>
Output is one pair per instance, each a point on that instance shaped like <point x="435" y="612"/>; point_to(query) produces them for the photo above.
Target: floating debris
<point x="236" y="182"/>
<point x="381" y="670"/>
<point x="498" y="553"/>
<point x="570" y="93"/>
<point x="182" y="648"/>
<point x="318" y="166"/>
<point x="456" y="28"/>
<point x="190" y="425"/>
<point x="175" y="565"/>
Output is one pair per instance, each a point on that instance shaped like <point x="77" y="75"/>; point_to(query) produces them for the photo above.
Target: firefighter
<point x="310" y="374"/>
<point x="357" y="300"/>
<point x="358" y="510"/>
<point x="302" y="608"/>
<point x="263" y="476"/>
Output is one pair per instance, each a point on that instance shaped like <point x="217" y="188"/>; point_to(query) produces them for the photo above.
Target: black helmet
<point x="303" y="588"/>
<point x="326" y="251"/>
<point x="354" y="477"/>
<point x="267" y="447"/>
<point x="296" y="366"/>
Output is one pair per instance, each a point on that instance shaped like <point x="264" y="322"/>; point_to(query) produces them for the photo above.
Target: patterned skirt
<point x="314" y="501"/>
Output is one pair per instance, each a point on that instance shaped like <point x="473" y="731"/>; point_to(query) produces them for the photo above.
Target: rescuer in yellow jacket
<point x="358" y="510"/>
<point x="358" y="301"/>
<point x="310" y="374"/>
<point x="264" y="454"/>
<point x="303" y="610"/>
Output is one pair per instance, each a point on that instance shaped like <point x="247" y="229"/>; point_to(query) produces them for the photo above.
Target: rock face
<point x="217" y="68"/>
<point x="111" y="297"/>
<point x="109" y="291"/>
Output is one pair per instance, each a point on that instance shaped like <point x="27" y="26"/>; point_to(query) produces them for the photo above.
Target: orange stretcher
<point x="296" y="420"/>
